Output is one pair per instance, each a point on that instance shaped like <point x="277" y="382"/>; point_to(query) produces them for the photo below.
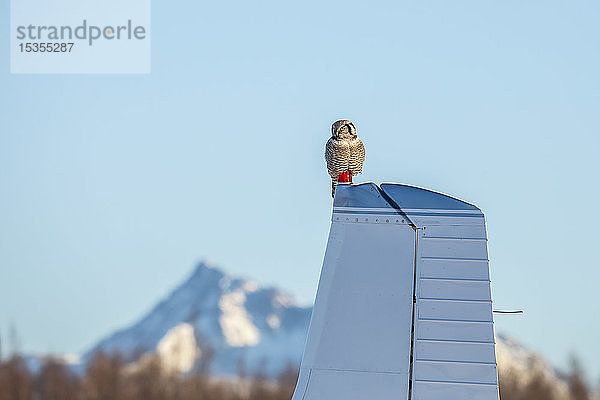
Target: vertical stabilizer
<point x="403" y="307"/>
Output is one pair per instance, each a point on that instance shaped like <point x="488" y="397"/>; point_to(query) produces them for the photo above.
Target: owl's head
<point x="343" y="129"/>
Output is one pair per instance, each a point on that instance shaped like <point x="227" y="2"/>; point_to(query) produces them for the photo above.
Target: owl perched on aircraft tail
<point x="344" y="153"/>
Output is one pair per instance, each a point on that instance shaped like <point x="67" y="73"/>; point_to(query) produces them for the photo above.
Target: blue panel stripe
<point x="368" y="212"/>
<point x="419" y="214"/>
<point x="425" y="214"/>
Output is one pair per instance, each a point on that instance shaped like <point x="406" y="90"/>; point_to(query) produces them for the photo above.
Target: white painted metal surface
<point x="359" y="340"/>
<point x="385" y="246"/>
<point x="453" y="356"/>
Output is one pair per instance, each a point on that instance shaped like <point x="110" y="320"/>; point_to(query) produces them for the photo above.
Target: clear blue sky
<point x="113" y="186"/>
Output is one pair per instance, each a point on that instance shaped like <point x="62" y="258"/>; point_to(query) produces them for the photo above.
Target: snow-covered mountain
<point x="237" y="324"/>
<point x="213" y="316"/>
<point x="521" y="367"/>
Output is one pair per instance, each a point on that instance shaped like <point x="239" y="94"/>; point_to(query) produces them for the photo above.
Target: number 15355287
<point x="45" y="47"/>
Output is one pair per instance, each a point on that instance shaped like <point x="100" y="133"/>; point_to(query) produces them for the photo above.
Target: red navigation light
<point x="345" y="177"/>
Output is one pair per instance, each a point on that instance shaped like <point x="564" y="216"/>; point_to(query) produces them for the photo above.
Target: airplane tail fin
<point x="403" y="306"/>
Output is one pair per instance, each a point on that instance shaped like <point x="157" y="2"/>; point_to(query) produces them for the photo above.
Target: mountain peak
<point x="235" y="318"/>
<point x="206" y="267"/>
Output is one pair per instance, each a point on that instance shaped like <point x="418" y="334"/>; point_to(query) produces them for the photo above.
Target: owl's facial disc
<point x="343" y="129"/>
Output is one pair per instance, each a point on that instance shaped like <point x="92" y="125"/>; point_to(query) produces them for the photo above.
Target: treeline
<point x="107" y="377"/>
<point x="540" y="387"/>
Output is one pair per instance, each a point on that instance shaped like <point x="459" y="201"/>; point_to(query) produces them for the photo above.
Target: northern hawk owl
<point x="344" y="153"/>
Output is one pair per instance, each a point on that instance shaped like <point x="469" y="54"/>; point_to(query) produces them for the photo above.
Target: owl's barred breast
<point x="344" y="155"/>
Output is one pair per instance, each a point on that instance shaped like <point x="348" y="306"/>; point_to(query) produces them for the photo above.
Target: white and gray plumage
<point x="344" y="152"/>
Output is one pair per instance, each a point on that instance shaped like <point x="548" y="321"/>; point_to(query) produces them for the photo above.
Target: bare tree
<point x="577" y="386"/>
<point x="103" y="378"/>
<point x="507" y="386"/>
<point x="55" y="382"/>
<point x="538" y="388"/>
<point x="286" y="381"/>
<point x="241" y="367"/>
<point x="15" y="380"/>
<point x="147" y="382"/>
<point x="207" y="355"/>
<point x="14" y="341"/>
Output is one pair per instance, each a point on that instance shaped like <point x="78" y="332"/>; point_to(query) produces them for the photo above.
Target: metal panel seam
<point x="307" y="384"/>
<point x="414" y="312"/>
<point x="358" y="371"/>
<point x="395" y="205"/>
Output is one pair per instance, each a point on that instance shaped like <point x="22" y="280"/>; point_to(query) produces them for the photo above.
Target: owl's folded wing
<point x="357" y="156"/>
